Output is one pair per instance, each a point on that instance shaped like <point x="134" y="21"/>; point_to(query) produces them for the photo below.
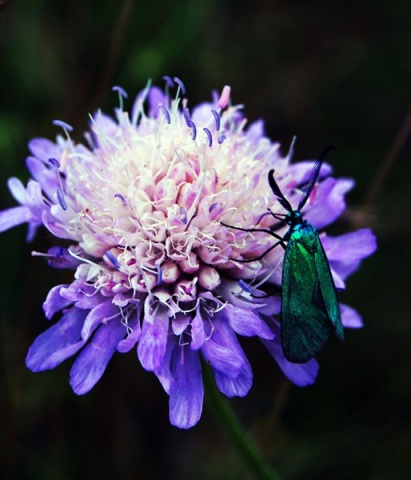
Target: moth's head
<point x="294" y="218"/>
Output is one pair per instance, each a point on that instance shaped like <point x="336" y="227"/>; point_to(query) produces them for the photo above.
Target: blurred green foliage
<point x="330" y="72"/>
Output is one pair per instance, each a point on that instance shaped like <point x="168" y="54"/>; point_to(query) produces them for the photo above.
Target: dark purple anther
<point x="194" y="129"/>
<point x="61" y="199"/>
<point x="166" y="113"/>
<point x="159" y="275"/>
<point x="123" y="200"/>
<point x="187" y="118"/>
<point x="180" y="84"/>
<point x="183" y="214"/>
<point x="221" y="139"/>
<point x="113" y="260"/>
<point x="210" y="137"/>
<point x="63" y="125"/>
<point x="168" y="81"/>
<point x="212" y="207"/>
<point x="55" y="162"/>
<point x="217" y="119"/>
<point x="244" y="286"/>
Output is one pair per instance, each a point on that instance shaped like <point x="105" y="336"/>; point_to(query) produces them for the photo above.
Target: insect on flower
<point x="309" y="305"/>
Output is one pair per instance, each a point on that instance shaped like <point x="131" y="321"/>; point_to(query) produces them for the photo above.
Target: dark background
<point x="330" y="72"/>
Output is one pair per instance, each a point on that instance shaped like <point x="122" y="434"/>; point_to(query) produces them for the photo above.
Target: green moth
<point x="310" y="311"/>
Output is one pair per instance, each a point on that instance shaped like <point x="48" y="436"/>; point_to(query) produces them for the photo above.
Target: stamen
<point x="168" y="81"/>
<point x="180" y="84"/>
<point x="166" y="113"/>
<point x="244" y="286"/>
<point x="63" y="125"/>
<point x="183" y="213"/>
<point x="225" y="97"/>
<point x="118" y="195"/>
<point x="217" y="119"/>
<point x="194" y="129"/>
<point x="210" y="137"/>
<point x="55" y="162"/>
<point x="159" y="275"/>
<point x="60" y="194"/>
<point x="187" y="118"/>
<point x="121" y="93"/>
<point x="212" y="207"/>
<point x="113" y="260"/>
<point x="221" y="139"/>
<point x="61" y="199"/>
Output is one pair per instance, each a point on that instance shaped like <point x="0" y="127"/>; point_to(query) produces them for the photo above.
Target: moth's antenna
<point x="308" y="187"/>
<point x="277" y="192"/>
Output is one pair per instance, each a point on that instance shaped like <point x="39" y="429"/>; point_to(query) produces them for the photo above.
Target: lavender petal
<point x="302" y="374"/>
<point x="59" y="342"/>
<point x="187" y="391"/>
<point x="93" y="359"/>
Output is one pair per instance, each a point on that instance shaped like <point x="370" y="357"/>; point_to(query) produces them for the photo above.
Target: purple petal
<point x="93" y="359"/>
<point x="59" y="342"/>
<point x="301" y="374"/>
<point x="103" y="313"/>
<point x="44" y="175"/>
<point x="346" y="251"/>
<point x="163" y="373"/>
<point x="197" y="331"/>
<point x="152" y="344"/>
<point x="247" y="323"/>
<point x="43" y="148"/>
<point x="350" y="318"/>
<point x="14" y="216"/>
<point x="329" y="202"/>
<point x="226" y="360"/>
<point x="134" y="329"/>
<point x="55" y="302"/>
<point x="187" y="390"/>
<point x="233" y="375"/>
<point x="156" y="98"/>
<point x="17" y="189"/>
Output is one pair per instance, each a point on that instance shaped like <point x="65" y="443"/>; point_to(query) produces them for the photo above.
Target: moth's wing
<point x="305" y="324"/>
<point x="328" y="292"/>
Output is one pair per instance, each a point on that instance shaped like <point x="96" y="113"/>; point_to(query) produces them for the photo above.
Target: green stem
<point x="219" y="406"/>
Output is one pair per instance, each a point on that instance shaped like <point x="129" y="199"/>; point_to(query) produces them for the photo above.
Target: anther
<point x="244" y="286"/>
<point x="224" y="97"/>
<point x="60" y="194"/>
<point x="166" y="113"/>
<point x="113" y="260"/>
<point x="61" y="199"/>
<point x="221" y="139"/>
<point x="210" y="137"/>
<point x="123" y="200"/>
<point x="217" y="119"/>
<point x="180" y="84"/>
<point x="183" y="214"/>
<point x="168" y="81"/>
<point x="159" y="275"/>
<point x="187" y="118"/>
<point x="121" y="94"/>
<point x="63" y="125"/>
<point x="194" y="129"/>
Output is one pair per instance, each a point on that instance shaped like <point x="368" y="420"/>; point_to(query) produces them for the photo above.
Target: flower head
<point x="144" y="207"/>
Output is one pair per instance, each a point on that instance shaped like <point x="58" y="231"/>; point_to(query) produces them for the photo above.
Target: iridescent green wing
<point x="306" y="325"/>
<point x="327" y="287"/>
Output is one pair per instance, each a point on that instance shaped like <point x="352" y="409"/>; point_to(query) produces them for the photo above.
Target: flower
<point x="144" y="207"/>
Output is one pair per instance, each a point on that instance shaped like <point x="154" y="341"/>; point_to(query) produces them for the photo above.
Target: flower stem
<point x="221" y="409"/>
